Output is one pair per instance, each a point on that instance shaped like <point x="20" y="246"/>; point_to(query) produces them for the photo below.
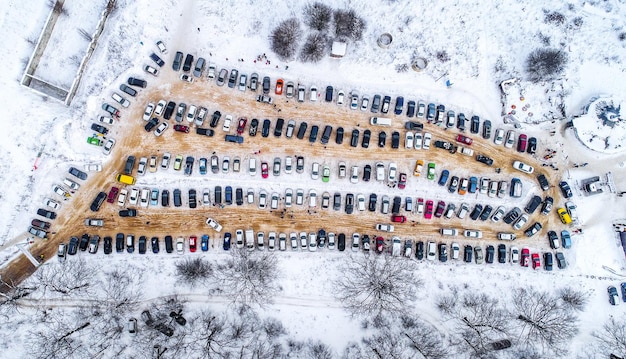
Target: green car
<point x="431" y="171"/>
<point x="94" y="141"/>
<point x="326" y="174"/>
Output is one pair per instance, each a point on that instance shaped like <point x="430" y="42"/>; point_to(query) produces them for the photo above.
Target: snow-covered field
<point x="486" y="43"/>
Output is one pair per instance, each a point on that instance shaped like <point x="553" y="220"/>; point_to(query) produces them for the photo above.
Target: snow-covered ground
<point x="486" y="42"/>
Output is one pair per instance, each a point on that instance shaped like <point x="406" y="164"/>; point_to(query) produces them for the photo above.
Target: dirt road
<point x="160" y="221"/>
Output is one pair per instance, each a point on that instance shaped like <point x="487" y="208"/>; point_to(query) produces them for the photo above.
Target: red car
<point x="192" y="243"/>
<point x="464" y="139"/>
<point x="536" y="261"/>
<point x="181" y="128"/>
<point x="402" y="181"/>
<point x="521" y="143"/>
<point x="441" y="206"/>
<point x="380" y="244"/>
<point x="113" y="194"/>
<point x="242" y="125"/>
<point x="264" y="169"/>
<point x="428" y="214"/>
<point x="525" y="257"/>
<point x="398" y="218"/>
<point x="279" y="86"/>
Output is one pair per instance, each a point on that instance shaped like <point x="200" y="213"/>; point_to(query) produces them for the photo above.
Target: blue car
<point x="203" y="164"/>
<point x="227" y="238"/>
<point x="613" y="296"/>
<point x="473" y="185"/>
<point x="566" y="240"/>
<point x="444" y="177"/>
<point x="623" y="287"/>
<point x="430" y="114"/>
<point x="204" y="243"/>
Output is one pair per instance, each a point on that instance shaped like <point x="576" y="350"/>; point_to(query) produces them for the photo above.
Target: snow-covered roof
<point x="338" y="49"/>
<point x="602" y="128"/>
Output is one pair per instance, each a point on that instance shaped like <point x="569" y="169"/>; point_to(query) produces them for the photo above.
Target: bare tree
<point x="285" y="38"/>
<point x="120" y="290"/>
<point x="422" y="339"/>
<point x="72" y="278"/>
<point x="314" y="48"/>
<point x="193" y="270"/>
<point x="248" y="278"/>
<point x="611" y="339"/>
<point x="480" y="320"/>
<point x="373" y="284"/>
<point x="11" y="294"/>
<point x="544" y="319"/>
<point x="317" y="16"/>
<point x="575" y="299"/>
<point x="545" y="64"/>
<point x="60" y="337"/>
<point x="349" y="24"/>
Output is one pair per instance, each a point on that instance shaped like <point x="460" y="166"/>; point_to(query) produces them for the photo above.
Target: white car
<point x="151" y="70"/>
<point x="262" y="199"/>
<point x="431" y="251"/>
<point x="393" y="169"/>
<point x="521" y="221"/>
<point x="51" y="203"/>
<point x="186" y="78"/>
<point x="243" y="79"/>
<point x="134" y="195"/>
<point x="143" y="164"/>
<point x="288" y="197"/>
<point x="271" y="241"/>
<point x="108" y="146"/>
<point x="354" y="101"/>
<point x="315" y="170"/>
<point x="206" y="197"/>
<point x="145" y="195"/>
<point x="299" y="196"/>
<point x="312" y="198"/>
<point x="356" y="238"/>
<point x="213" y="224"/>
<point x="94" y="222"/>
<point x="469" y="233"/>
<point x="105" y="120"/>
<point x="274" y="201"/>
<point x="521" y="166"/>
<point x="427" y="138"/>
<point x="121" y="199"/>
<point x="158" y="110"/>
<point x="380" y="171"/>
<point x="365" y="102"/>
<point x="360" y="201"/>
<point x="340" y="97"/>
<point x="514" y="255"/>
<point x="239" y="238"/>
<point x="312" y="242"/>
<point x="161" y="47"/>
<point x="93" y="168"/>
<point x="408" y="140"/>
<point x="191" y="113"/>
<point x="180" y="245"/>
<point x="211" y="72"/>
<point x="385" y="227"/>
<point x="227" y="121"/>
<point x="147" y="113"/>
<point x="119" y="99"/>
<point x="417" y="141"/>
<point x="421" y="109"/>
<point x="160" y="129"/>
<point x="71" y="184"/>
<point x="260" y="241"/>
<point x="510" y="139"/>
<point x="498" y="137"/>
<point x="165" y="160"/>
<point x="250" y="196"/>
<point x="455" y="249"/>
<point x="354" y="177"/>
<point x="572" y="210"/>
<point x="313" y="93"/>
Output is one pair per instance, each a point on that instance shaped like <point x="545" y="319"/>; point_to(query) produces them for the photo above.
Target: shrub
<point x="314" y="48"/>
<point x="285" y="38"/>
<point x="317" y="16"/>
<point x="545" y="64"/>
<point x="348" y="24"/>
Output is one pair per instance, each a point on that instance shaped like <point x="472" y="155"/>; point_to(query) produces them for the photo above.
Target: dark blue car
<point x="227" y="238"/>
<point x="444" y="177"/>
<point x="399" y="105"/>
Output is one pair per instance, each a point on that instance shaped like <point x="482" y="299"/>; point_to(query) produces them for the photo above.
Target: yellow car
<point x="178" y="162"/>
<point x="565" y="217"/>
<point x="419" y="165"/>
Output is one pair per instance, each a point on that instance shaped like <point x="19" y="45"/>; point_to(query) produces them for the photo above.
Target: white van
<point x="380" y="121"/>
<point x="250" y="239"/>
<point x="252" y="166"/>
<point x="449" y="231"/>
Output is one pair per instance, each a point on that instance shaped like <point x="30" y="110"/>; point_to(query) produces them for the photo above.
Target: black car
<point x="395" y="140"/>
<point x="399" y="105"/>
<point x="45" y="213"/>
<point x="489" y="254"/>
<point x="205" y="131"/>
<point x="226" y="241"/>
<point x="547" y="205"/>
<point x="372" y="203"/>
<point x="475" y="124"/>
<point x="467" y="253"/>
<point x="266" y="85"/>
<point x="165" y="198"/>
<point x="155" y="244"/>
<point x="385" y="105"/>
<point x="189" y="165"/>
<point x="99" y="128"/>
<point x="329" y="94"/>
<point x="119" y="242"/>
<point x="129" y="165"/>
<point x="512" y="215"/>
<point x="84" y="242"/>
<point x="278" y="130"/>
<point x="232" y="79"/>
<point x="349" y="207"/>
<point x="302" y="130"/>
<point x="313" y="133"/>
<point x="228" y="195"/>
<point x="543" y="182"/>
<point x="169" y="247"/>
<point x="501" y="253"/>
<point x="188" y="62"/>
<point x="410" y="109"/>
<point x="419" y="250"/>
<point x="460" y="121"/>
<point x="341" y="242"/>
<point x="72" y="248"/>
<point x="254" y="126"/>
<point x="142" y="244"/>
<point x="130" y="212"/>
<point x="532" y="230"/>
<point x="97" y="202"/>
<point x="547" y="261"/>
<point x="137" y="82"/>
<point x="485" y="213"/>
<point x="532" y="145"/>
<point x="157" y="59"/>
<point x="266" y="128"/>
<point x="375" y="103"/>
<point x="339" y="135"/>
<point x="354" y="140"/>
<point x="476" y="212"/>
<point x="177" y="199"/>
<point x="382" y="139"/>
<point x="178" y="59"/>
<point x="215" y="119"/>
<point x="533" y="204"/>
<point x="565" y="189"/>
<point x="218" y="194"/>
<point x="484" y="159"/>
<point x="169" y="110"/>
<point x="443" y="252"/>
<point x="128" y="90"/>
<point x="365" y="142"/>
<point x="239" y="196"/>
<point x="192" y="198"/>
<point x="413" y="126"/>
<point x="108" y="245"/>
<point x="367" y="173"/>
<point x="326" y="134"/>
<point x="151" y="124"/>
<point x="486" y="129"/>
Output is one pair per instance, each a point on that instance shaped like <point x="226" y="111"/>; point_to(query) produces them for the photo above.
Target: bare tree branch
<point x="611" y="339"/>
